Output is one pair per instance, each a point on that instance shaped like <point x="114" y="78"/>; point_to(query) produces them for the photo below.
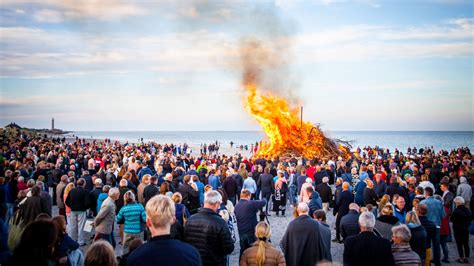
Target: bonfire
<point x="286" y="132"/>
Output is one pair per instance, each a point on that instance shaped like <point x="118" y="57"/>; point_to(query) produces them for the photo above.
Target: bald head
<point x="354" y="206"/>
<point x="345" y="186"/>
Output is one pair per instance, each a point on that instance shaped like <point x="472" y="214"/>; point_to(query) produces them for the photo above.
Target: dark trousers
<point x="232" y="199"/>
<point x="246" y="241"/>
<point x="462" y="243"/>
<point x="436" y="247"/>
<point x="338" y="226"/>
<point x="444" y="246"/>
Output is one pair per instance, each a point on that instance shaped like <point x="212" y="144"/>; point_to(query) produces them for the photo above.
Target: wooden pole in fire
<point x="301" y="125"/>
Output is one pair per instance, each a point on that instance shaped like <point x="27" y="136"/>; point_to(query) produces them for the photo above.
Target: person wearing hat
<point x="325" y="193"/>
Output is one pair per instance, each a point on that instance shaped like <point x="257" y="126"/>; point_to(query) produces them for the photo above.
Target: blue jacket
<point x="144" y="171"/>
<point x="214" y="181"/>
<point x="315" y="203"/>
<point x="162" y="250"/>
<point x="246" y="214"/>
<point x="400" y="214"/>
<point x="435" y="210"/>
<point x="350" y="224"/>
<point x="342" y="203"/>
<point x="200" y="187"/>
<point x="100" y="199"/>
<point x="359" y="196"/>
<point x="347" y="177"/>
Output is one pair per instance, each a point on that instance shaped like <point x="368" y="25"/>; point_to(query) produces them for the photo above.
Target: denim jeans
<point x="75" y="257"/>
<point x="444" y="246"/>
<point x="293" y="199"/>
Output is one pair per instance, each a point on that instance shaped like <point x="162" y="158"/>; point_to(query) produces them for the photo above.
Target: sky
<point x="172" y="65"/>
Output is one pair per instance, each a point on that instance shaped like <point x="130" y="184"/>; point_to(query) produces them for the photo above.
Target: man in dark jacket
<point x="319" y="175"/>
<point x="265" y="182"/>
<point x="33" y="206"/>
<point x="151" y="189"/>
<point x="230" y="187"/>
<point x="78" y="201"/>
<point x="246" y="214"/>
<point x="208" y="232"/>
<point x="395" y="188"/>
<point x="379" y="185"/>
<point x="342" y="204"/>
<point x="190" y="194"/>
<point x="350" y="222"/>
<point x="301" y="243"/>
<point x="94" y="195"/>
<point x="367" y="248"/>
<point x="89" y="185"/>
<point x="325" y="193"/>
<point x="161" y="249"/>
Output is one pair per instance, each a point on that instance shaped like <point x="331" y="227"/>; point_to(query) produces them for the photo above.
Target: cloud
<point x="49" y="16"/>
<point x="56" y="11"/>
<point x="40" y="53"/>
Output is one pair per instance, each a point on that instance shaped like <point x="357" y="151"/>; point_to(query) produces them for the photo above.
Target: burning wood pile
<point x="281" y="122"/>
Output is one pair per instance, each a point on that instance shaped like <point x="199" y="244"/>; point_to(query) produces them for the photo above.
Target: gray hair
<point x="459" y="200"/>
<point x="402" y="232"/>
<point x="303" y="208"/>
<point x="40" y="184"/>
<point x="367" y="220"/>
<point x="213" y="197"/>
<point x="114" y="191"/>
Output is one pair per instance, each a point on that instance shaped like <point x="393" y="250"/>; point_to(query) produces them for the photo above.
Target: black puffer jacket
<point x="209" y="233"/>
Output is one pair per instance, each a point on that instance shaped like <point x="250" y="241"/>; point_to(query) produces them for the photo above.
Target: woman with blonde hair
<point x="181" y="212"/>
<point x="68" y="189"/>
<point x="262" y="252"/>
<point x="383" y="201"/>
<point x="418" y="234"/>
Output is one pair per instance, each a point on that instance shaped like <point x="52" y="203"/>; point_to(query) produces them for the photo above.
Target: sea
<point x="446" y="140"/>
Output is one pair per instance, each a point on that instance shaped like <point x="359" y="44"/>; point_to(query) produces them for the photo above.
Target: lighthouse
<point x="52" y="124"/>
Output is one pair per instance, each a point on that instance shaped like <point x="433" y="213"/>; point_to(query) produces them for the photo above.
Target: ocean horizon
<point x="445" y="140"/>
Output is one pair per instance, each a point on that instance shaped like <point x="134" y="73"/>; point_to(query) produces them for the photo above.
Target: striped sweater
<point x="133" y="215"/>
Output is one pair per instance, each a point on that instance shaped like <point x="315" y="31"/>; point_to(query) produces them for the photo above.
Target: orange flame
<point x="284" y="130"/>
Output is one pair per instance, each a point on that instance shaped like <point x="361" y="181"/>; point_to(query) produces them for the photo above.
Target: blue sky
<point x="139" y="65"/>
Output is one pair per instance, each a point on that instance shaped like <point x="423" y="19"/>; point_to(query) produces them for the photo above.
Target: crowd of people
<point x="172" y="208"/>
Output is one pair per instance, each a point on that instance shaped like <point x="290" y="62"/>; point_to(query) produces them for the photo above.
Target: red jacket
<point x="444" y="230"/>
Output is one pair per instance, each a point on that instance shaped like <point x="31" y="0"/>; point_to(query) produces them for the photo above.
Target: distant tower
<point x="52" y="124"/>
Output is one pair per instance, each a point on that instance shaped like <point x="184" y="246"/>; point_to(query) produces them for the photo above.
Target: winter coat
<point x="273" y="256"/>
<point x="384" y="225"/>
<point x="350" y="224"/>
<point x="210" y="235"/>
<point x="325" y="192"/>
<point x="404" y="256"/>
<point x="418" y="239"/>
